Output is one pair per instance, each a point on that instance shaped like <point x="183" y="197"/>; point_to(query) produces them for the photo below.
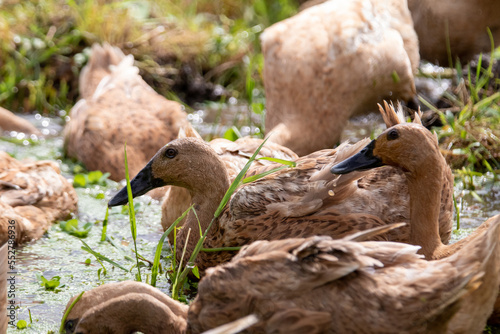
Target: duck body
<point x="11" y="122"/>
<point x="333" y="61"/>
<point x="234" y="156"/>
<point x="33" y="195"/>
<point x="460" y="24"/>
<point x="91" y="304"/>
<point x="295" y="285"/>
<point x="111" y="112"/>
<point x="414" y="150"/>
<point x="293" y="202"/>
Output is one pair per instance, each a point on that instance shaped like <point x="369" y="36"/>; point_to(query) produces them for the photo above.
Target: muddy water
<point x="59" y="254"/>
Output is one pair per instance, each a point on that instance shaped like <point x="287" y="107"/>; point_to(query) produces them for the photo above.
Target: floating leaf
<point x="71" y="227"/>
<point x="49" y="284"/>
<point x="22" y="324"/>
<point x="94" y="177"/>
<point x="79" y="181"/>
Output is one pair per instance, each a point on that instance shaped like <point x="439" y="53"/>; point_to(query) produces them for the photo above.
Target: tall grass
<point x="133" y="224"/>
<point x="44" y="43"/>
<point x="471" y="136"/>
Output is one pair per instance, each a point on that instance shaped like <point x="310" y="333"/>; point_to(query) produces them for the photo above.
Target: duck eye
<point x="393" y="134"/>
<point x="69" y="326"/>
<point x="170" y="153"/>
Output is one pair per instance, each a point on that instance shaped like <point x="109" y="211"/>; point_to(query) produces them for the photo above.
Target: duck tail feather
<point x="100" y="59"/>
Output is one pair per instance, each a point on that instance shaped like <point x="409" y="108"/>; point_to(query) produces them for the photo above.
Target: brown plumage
<point x="115" y="103"/>
<point x="11" y="122"/>
<point x="234" y="156"/>
<point x="314" y="285"/>
<point x="459" y="25"/>
<point x="415" y="150"/>
<point x="91" y="304"/>
<point x="331" y="62"/>
<point x="34" y="195"/>
<point x="295" y="202"/>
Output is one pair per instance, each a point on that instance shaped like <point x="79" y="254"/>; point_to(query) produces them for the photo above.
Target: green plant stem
<point x="133" y="225"/>
<point x="177" y="282"/>
<point x="65" y="316"/>
<point x="105" y="225"/>
<point x="159" y="247"/>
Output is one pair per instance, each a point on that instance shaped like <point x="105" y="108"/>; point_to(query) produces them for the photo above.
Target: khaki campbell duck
<point x="312" y="285"/>
<point x="11" y="122"/>
<point x="294" y="202"/>
<point x="415" y="150"/>
<point x="459" y="25"/>
<point x="33" y="195"/>
<point x="111" y="291"/>
<point x="334" y="61"/>
<point x="234" y="155"/>
<point x="116" y="102"/>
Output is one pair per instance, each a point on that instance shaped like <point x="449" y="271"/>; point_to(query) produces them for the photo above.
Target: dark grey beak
<point x="141" y="184"/>
<point x="362" y="160"/>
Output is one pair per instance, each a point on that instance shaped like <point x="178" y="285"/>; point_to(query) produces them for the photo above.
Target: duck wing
<point x="298" y="191"/>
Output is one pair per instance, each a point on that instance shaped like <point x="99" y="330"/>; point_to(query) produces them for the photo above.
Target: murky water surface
<point x="59" y="254"/>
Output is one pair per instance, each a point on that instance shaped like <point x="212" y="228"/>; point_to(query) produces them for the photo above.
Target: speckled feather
<point x="234" y="156"/>
<point x="309" y="285"/>
<point x="34" y="195"/>
<point x="295" y="285"/>
<point x="293" y="202"/>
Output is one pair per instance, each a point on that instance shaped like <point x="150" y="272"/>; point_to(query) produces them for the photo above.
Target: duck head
<point x="186" y="162"/>
<point x="397" y="147"/>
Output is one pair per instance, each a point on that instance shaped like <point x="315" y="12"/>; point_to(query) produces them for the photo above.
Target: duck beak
<point x="362" y="160"/>
<point x="143" y="182"/>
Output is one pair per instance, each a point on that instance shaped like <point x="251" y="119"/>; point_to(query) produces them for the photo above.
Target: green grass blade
<point x="159" y="247"/>
<point x="133" y="225"/>
<point x="280" y="161"/>
<point x="65" y="316"/>
<point x="105" y="225"/>
<point x="178" y="279"/>
<point x="457" y="210"/>
<point x="261" y="175"/>
<point x="237" y="181"/>
<point x="99" y="256"/>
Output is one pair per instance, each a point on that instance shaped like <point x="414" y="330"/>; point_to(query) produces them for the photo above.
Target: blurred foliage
<point x="188" y="46"/>
<point x="471" y="131"/>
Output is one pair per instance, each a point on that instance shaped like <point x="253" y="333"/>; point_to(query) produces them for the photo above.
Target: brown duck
<point x="115" y="103"/>
<point x="312" y="285"/>
<point x="296" y="202"/>
<point x="334" y="61"/>
<point x="234" y="156"/>
<point x="115" y="293"/>
<point x="10" y="122"/>
<point x="415" y="151"/>
<point x="33" y="195"/>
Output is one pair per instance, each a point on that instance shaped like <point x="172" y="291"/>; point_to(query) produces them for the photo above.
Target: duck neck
<point x="205" y="199"/>
<point x="425" y="186"/>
